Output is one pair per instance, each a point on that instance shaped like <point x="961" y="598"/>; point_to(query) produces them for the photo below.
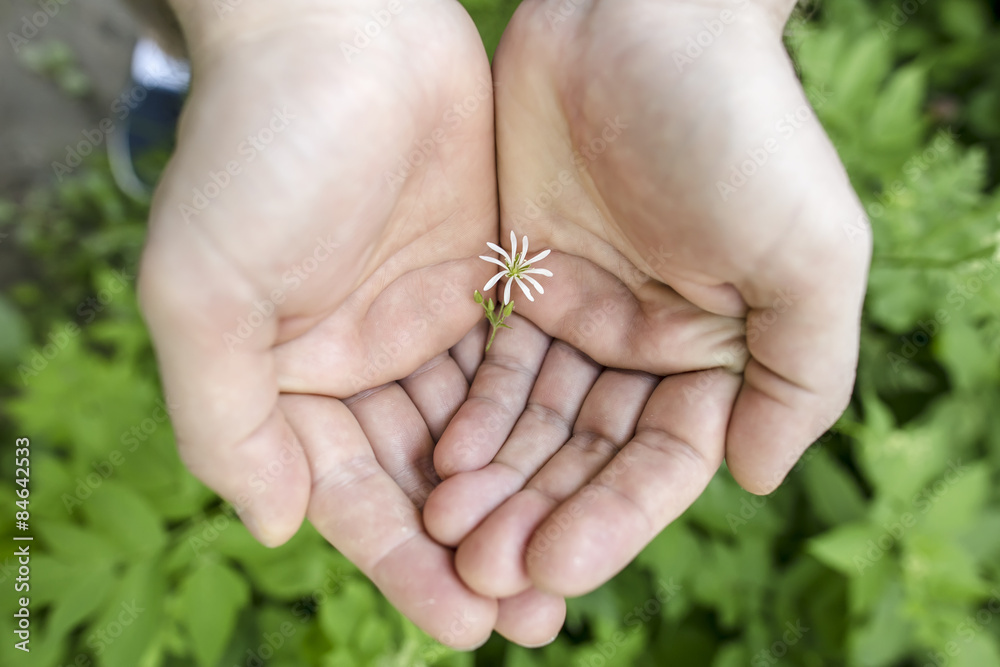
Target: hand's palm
<point x="612" y="157"/>
<point x="334" y="258"/>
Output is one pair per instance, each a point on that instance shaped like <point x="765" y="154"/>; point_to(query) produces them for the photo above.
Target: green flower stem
<point x="495" y="317"/>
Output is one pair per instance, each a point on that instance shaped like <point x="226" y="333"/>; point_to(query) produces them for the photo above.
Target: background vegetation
<point x="882" y="548"/>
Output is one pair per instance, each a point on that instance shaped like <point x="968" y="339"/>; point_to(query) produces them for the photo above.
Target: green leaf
<point x="132" y="617"/>
<point x="975" y="648"/>
<point x="673" y="554"/>
<point x="942" y="570"/>
<point x="13" y="331"/>
<point x="73" y="544"/>
<point x="125" y="518"/>
<point x="861" y="70"/>
<point x="844" y="548"/>
<point x="886" y="636"/>
<point x="896" y="118"/>
<point x="339" y="615"/>
<point x="209" y="600"/>
<point x="953" y="502"/>
<point x="83" y="594"/>
<point x="900" y="462"/>
<point x="833" y="493"/>
<point x="969" y="355"/>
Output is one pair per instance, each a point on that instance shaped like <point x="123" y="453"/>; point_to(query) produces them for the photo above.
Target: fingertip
<point x="532" y="619"/>
<point x="442" y="517"/>
<point x="753" y="482"/>
<point x="462" y="502"/>
<point x="266" y="478"/>
<point x="274" y="518"/>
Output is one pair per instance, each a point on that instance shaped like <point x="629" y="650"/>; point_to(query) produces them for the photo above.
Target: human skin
<point x="305" y="310"/>
<point x="327" y="393"/>
<point x="560" y="468"/>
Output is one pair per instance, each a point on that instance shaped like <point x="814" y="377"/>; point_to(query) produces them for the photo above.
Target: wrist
<point x="211" y="26"/>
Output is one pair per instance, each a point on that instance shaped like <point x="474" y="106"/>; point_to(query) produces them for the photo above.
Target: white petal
<point x="495" y="248"/>
<point x="494" y="260"/>
<point x="542" y="255"/>
<point x="494" y="279"/>
<point x="524" y="289"/>
<point x="506" y="293"/>
<point x="535" y="283"/>
<point x="513" y="246"/>
<point x="541" y="272"/>
<point x="524" y="250"/>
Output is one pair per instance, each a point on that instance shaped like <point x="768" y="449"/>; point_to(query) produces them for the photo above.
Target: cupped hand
<point x="313" y="240"/>
<point x="702" y="230"/>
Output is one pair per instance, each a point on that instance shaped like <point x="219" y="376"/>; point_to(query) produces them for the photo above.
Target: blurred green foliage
<point x="882" y="548"/>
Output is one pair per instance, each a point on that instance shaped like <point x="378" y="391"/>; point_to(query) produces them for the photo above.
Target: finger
<point x="677" y="447"/>
<point x="460" y="503"/>
<point x="496" y="399"/>
<point x="437" y="389"/>
<point x="803" y="332"/>
<point x="491" y="560"/>
<point x="398" y="437"/>
<point x="361" y="511"/>
<point x="532" y="618"/>
<point x="468" y="352"/>
<point x="223" y="394"/>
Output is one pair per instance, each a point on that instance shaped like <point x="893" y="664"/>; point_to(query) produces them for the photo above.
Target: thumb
<point x="214" y="352"/>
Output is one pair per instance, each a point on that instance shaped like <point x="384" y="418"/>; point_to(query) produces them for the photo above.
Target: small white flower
<point x="516" y="267"/>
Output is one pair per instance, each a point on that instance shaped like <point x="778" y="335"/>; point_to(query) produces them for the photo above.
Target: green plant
<point x="882" y="547"/>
